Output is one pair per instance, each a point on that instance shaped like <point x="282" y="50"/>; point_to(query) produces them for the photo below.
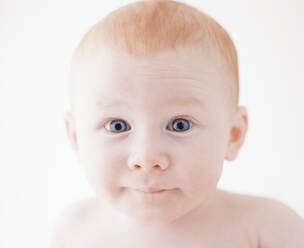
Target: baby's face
<point x="160" y="123"/>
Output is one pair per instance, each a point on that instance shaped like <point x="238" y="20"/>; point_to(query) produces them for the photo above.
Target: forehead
<point x="186" y="73"/>
<point x="183" y="62"/>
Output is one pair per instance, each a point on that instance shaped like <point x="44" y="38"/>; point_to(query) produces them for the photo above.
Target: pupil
<point x="118" y="126"/>
<point x="180" y="125"/>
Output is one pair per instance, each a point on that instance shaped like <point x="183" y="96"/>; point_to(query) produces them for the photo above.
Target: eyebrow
<point x="185" y="101"/>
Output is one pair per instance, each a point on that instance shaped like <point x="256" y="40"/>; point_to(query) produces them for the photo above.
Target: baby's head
<point x="154" y="104"/>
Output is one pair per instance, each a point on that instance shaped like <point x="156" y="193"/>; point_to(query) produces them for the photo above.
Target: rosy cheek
<point x="203" y="175"/>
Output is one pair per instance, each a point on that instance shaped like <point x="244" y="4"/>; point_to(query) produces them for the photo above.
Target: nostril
<point x="157" y="166"/>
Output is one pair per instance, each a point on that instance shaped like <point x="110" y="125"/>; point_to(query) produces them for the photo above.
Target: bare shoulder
<point x="276" y="224"/>
<point x="70" y="220"/>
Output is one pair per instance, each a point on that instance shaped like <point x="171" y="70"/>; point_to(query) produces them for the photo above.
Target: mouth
<point x="150" y="190"/>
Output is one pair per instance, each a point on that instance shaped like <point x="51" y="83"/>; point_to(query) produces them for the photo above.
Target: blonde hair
<point x="145" y="28"/>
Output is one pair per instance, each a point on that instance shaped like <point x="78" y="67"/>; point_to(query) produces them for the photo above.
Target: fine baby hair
<point x="144" y="28"/>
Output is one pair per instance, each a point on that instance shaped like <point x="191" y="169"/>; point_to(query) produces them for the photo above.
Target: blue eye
<point x="116" y="125"/>
<point x="181" y="125"/>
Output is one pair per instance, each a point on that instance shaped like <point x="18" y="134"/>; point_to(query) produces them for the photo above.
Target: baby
<point x="154" y="113"/>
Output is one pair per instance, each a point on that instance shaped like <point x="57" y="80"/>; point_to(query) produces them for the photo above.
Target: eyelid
<point x="188" y="117"/>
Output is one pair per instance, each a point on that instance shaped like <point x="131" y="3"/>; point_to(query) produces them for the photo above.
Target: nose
<point x="147" y="155"/>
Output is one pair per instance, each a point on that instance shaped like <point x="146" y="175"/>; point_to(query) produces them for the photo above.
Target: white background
<point x="39" y="173"/>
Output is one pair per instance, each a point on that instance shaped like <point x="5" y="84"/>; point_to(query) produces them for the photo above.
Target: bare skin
<point x="232" y="223"/>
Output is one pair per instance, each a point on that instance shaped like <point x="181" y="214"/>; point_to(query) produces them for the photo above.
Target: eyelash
<point x="188" y="118"/>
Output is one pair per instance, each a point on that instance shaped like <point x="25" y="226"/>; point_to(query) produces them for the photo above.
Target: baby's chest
<point x="229" y="239"/>
<point x="118" y="242"/>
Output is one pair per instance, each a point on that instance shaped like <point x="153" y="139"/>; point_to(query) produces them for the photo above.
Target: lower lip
<point x="153" y="192"/>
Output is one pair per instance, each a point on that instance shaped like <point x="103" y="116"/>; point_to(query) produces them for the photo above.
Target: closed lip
<point x="150" y="190"/>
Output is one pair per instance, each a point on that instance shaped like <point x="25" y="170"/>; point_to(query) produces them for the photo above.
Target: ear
<point x="238" y="132"/>
<point x="69" y="122"/>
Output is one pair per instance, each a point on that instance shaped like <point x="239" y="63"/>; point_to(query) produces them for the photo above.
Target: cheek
<point x="200" y="166"/>
<point x="201" y="177"/>
<point x="101" y="166"/>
